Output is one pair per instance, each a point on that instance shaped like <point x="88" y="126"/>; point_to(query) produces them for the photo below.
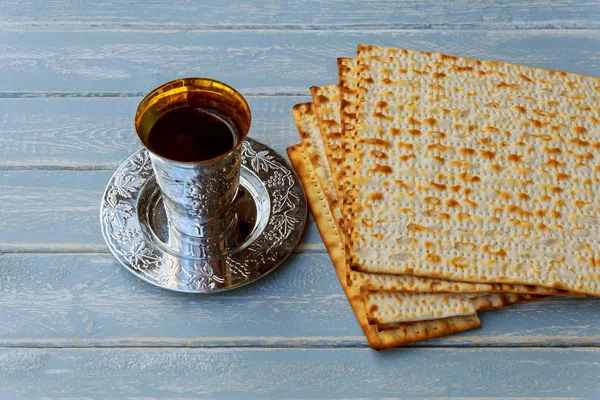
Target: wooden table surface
<point x="74" y="324"/>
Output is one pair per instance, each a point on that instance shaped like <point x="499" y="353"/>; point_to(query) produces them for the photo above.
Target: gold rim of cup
<point x="195" y="93"/>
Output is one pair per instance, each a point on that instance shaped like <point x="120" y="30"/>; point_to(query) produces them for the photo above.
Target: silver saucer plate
<point x="271" y="217"/>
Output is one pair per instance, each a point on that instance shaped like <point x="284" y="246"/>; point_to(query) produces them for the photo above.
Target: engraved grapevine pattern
<point x="194" y="194"/>
<point x="123" y="232"/>
<point x="284" y="204"/>
<point x="202" y="276"/>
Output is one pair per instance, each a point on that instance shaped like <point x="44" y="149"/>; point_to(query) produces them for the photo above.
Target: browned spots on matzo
<point x="542" y="113"/>
<point x="593" y="120"/>
<point x="554" y="163"/>
<point x="378" y="154"/>
<point x="540" y="226"/>
<point x="451" y="203"/>
<point x="436" y="134"/>
<point x="404" y="145"/>
<point x="487" y="154"/>
<point x="438" y="75"/>
<point x="412" y="121"/>
<point x="382" y="104"/>
<point x="438" y="186"/>
<point x="468" y="177"/>
<point x="407" y="157"/>
<point x="537" y="123"/>
<point x="393" y="131"/>
<point x="376" y="142"/>
<point x="523" y="196"/>
<point x="460" y="163"/>
<point x="400" y="183"/>
<point x="485" y="141"/>
<point x="515" y="209"/>
<point x="322" y="98"/>
<point x="415" y="227"/>
<point x="432" y="200"/>
<point x="581" y="156"/>
<point x="503" y="195"/>
<point x="385" y="169"/>
<point x="520" y="109"/>
<point x="460" y="68"/>
<point x="380" y="115"/>
<point x="413" y="132"/>
<point x="433" y="258"/>
<point x="375" y="196"/>
<point x="492" y="129"/>
<point x="511" y="86"/>
<point x="525" y="78"/>
<point x="459" y="262"/>
<point x="490" y="249"/>
<point x="437" y="147"/>
<point x="555" y="214"/>
<point x="516" y="158"/>
<point x="447" y="57"/>
<point x="466" y="151"/>
<point x="578" y="130"/>
<point x="430" y="121"/>
<point x="435" y="86"/>
<point x="551" y="150"/>
<point x="578" y="142"/>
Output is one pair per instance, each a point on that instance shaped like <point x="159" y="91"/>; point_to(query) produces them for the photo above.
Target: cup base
<point x="271" y="213"/>
<point x="249" y="210"/>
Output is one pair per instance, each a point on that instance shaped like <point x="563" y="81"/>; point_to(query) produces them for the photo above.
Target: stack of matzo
<point x="443" y="186"/>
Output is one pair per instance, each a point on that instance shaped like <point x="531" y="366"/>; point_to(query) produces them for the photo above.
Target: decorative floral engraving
<point x="124" y="234"/>
<point x="203" y="277"/>
<point x="115" y="212"/>
<point x="284" y="205"/>
<point x="141" y="257"/>
<point x="126" y="184"/>
<point x="195" y="195"/>
<point x="259" y="160"/>
<point x="141" y="162"/>
<point x="167" y="275"/>
<point x="277" y="179"/>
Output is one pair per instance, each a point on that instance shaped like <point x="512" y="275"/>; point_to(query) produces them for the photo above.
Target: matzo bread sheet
<point x="475" y="171"/>
<point x="347" y="70"/>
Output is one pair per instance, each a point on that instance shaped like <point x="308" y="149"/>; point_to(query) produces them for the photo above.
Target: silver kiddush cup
<point x="199" y="197"/>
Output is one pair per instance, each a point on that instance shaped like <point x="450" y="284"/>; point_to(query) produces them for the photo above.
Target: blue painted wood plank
<point x="99" y="133"/>
<point x="67" y="204"/>
<point x="299" y="374"/>
<point x="83" y="300"/>
<point x="143" y="14"/>
<point x="254" y="61"/>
